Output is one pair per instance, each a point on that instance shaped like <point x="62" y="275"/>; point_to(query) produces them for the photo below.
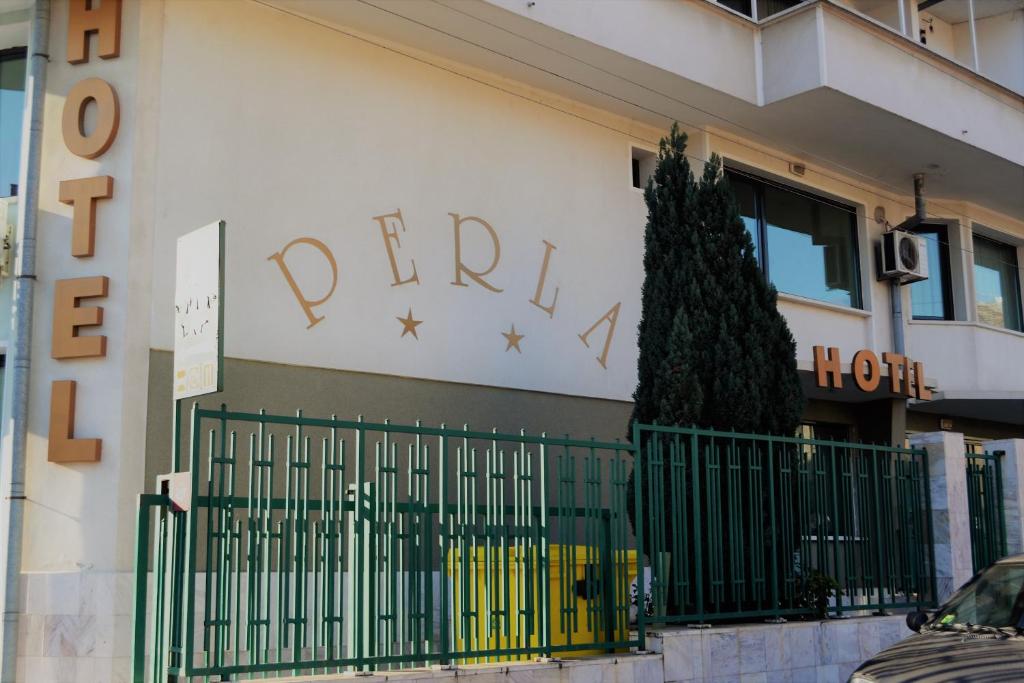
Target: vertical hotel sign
<point x="98" y="23"/>
<point x="199" y="312"/>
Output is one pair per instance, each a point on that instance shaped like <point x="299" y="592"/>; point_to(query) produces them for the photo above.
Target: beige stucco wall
<point x="288" y="128"/>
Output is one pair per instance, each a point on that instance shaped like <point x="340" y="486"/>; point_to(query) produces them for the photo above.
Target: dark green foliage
<point x="714" y="350"/>
<point x="816" y="590"/>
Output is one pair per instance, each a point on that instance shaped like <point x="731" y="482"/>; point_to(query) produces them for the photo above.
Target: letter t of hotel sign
<point x="97" y="23"/>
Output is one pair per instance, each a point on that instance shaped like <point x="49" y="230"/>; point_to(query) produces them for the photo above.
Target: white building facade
<point x="434" y="212"/>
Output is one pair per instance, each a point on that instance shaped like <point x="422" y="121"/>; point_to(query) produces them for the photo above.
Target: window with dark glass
<point x="12" y="101"/>
<point x="932" y="299"/>
<point x="806" y="245"/>
<point x="997" y="284"/>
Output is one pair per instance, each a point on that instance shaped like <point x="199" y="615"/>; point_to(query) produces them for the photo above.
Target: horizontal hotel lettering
<point x="906" y="376"/>
<point x="391" y="226"/>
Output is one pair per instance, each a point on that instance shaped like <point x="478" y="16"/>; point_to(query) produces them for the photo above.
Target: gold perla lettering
<point x="611" y="317"/>
<point x="307" y="304"/>
<point x="536" y="300"/>
<point x="460" y="267"/>
<point x="391" y="241"/>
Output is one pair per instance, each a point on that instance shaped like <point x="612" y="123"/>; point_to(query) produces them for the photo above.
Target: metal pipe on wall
<point x="21" y="353"/>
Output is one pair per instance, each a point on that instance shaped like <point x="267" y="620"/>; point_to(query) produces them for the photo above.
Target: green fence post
<point x="641" y="627"/>
<point x="545" y="558"/>
<point x="140" y="601"/>
<point x="776" y="606"/>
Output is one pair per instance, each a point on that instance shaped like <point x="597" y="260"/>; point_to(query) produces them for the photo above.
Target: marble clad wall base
<point x="819" y="652"/>
<point x="75" y="627"/>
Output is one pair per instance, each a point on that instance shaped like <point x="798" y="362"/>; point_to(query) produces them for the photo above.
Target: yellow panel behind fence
<point x="494" y="599"/>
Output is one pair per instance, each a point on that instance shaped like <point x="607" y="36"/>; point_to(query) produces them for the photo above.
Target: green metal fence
<point x="318" y="545"/>
<point x="985" y="504"/>
<point x="749" y="522"/>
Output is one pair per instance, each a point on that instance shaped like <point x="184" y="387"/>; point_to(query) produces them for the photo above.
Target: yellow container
<point x="489" y="606"/>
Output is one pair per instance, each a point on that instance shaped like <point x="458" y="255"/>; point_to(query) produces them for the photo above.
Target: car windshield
<point x="993" y="598"/>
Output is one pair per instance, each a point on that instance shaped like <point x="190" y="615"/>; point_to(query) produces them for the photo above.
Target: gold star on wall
<point x="409" y="324"/>
<point x="513" y="339"/>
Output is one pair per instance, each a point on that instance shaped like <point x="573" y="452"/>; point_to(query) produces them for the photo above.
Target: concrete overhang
<point x="1007" y="407"/>
<point x="818" y="83"/>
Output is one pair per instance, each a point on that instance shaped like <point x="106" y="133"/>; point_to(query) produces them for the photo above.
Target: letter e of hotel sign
<point x="906" y="376"/>
<point x="199" y="312"/>
<point x="95" y="24"/>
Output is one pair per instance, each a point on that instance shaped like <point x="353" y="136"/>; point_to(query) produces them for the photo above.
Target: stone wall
<point x="816" y="652"/>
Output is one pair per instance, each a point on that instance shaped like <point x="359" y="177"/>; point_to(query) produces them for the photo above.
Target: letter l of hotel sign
<point x="98" y="23"/>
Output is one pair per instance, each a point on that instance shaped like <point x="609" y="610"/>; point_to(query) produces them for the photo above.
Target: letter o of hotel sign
<point x="99" y="23"/>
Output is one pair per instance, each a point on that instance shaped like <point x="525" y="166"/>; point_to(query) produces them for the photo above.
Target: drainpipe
<point x="24" y="285"/>
<point x="896" y="288"/>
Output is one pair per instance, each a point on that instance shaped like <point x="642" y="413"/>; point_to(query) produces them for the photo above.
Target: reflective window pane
<point x="812" y="247"/>
<point x="12" y="100"/>
<point x="997" y="284"/>
<point x="746" y="201"/>
<point x="930" y="298"/>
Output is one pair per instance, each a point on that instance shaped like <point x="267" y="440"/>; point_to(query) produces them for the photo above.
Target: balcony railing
<point x="974" y="33"/>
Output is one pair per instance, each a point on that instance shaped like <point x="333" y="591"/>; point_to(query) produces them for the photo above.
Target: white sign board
<point x="199" y="312"/>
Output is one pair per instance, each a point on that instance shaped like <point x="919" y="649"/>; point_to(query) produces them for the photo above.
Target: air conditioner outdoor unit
<point x="904" y="257"/>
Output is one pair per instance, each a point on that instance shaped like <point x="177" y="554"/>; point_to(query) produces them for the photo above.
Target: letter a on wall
<point x="199" y="312"/>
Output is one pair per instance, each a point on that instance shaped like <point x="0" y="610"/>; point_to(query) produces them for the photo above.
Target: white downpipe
<point x="23" y="291"/>
<point x="974" y="36"/>
<point x="903" y="16"/>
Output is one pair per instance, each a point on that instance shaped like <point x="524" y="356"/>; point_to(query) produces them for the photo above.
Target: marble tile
<point x="50" y="669"/>
<point x="721" y="655"/>
<point x="776" y="651"/>
<point x="846" y="669"/>
<point x="96" y="593"/>
<point x="648" y="670"/>
<point x="683" y="657"/>
<point x="760" y="677"/>
<point x="779" y="676"/>
<point x="839" y="642"/>
<point x="828" y="673"/>
<point x="869" y="637"/>
<point x="30" y="635"/>
<point x="753" y="657"/>
<point x="53" y="593"/>
<point x="105" y="638"/>
<point x="802" y="644"/>
<point x="807" y="674"/>
<point x="120" y="670"/>
<point x="69" y="636"/>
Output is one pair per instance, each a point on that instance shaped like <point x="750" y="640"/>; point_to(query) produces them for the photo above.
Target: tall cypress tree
<point x="714" y="350"/>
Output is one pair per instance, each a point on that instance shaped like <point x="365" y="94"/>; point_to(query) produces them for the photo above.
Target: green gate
<point x="309" y="545"/>
<point x="985" y="505"/>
